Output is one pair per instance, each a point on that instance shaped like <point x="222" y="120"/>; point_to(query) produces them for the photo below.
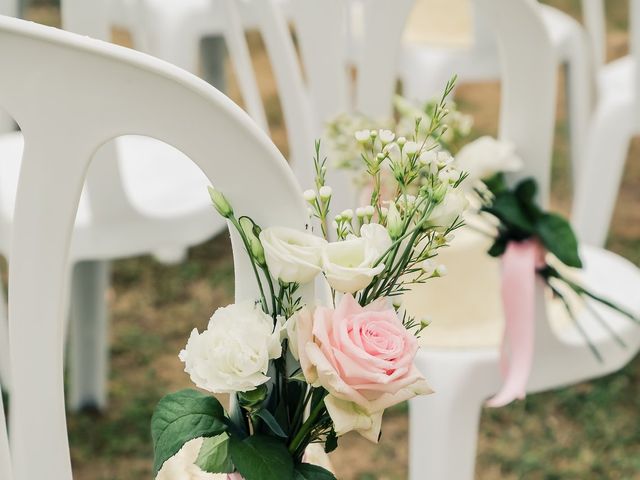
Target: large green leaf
<point x="306" y="471"/>
<point x="526" y="194"/>
<point x="261" y="457"/>
<point x="508" y="210"/>
<point x="214" y="455"/>
<point x="558" y="238"/>
<point x="180" y="417"/>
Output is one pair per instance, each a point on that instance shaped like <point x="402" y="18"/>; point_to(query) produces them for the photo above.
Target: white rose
<point x="487" y="156"/>
<point x="291" y="255"/>
<point x="348" y="265"/>
<point x="233" y="353"/>
<point x="182" y="465"/>
<point x="449" y="209"/>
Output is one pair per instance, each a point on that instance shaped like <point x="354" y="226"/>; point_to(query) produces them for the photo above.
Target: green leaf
<point x="271" y="422"/>
<point x="496" y="184"/>
<point x="498" y="247"/>
<point x="526" y="190"/>
<point x="214" y="455"/>
<point x="180" y="417"/>
<point x="558" y="238"/>
<point x="526" y="194"/>
<point x="261" y="458"/>
<point x="306" y="471"/>
<point x="508" y="210"/>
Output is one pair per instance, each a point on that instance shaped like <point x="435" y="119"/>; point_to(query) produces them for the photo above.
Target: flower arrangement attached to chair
<point x="300" y="372"/>
<point x="530" y="241"/>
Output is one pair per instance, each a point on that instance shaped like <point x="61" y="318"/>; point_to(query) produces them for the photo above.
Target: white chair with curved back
<point x="138" y="188"/>
<point x="614" y="122"/>
<point x="107" y="92"/>
<point x="461" y="350"/>
<point x="426" y="67"/>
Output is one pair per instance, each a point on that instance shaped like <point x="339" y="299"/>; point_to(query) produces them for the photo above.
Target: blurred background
<point x="590" y="431"/>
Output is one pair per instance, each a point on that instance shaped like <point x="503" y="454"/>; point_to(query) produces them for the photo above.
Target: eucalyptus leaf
<point x="181" y="417"/>
<point x="261" y="457"/>
<point x="558" y="238"/>
<point x="214" y="455"/>
<point x="306" y="471"/>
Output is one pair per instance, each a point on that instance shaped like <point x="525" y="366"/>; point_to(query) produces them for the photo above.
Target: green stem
<point x="306" y="427"/>
<point x="235" y="223"/>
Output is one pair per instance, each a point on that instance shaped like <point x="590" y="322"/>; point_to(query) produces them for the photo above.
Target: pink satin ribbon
<point x="234" y="476"/>
<point x="519" y="264"/>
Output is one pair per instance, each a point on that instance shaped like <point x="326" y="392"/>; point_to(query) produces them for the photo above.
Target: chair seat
<point x="161" y="185"/>
<point x="465" y="306"/>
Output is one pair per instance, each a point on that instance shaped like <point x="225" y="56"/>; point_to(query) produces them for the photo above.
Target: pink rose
<point x="364" y="357"/>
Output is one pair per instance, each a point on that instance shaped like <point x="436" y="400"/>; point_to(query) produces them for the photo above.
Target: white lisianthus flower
<point x="449" y="209"/>
<point x="292" y="256"/>
<point x="487" y="156"/>
<point x="377" y="239"/>
<point x="348" y="265"/>
<point x="233" y="353"/>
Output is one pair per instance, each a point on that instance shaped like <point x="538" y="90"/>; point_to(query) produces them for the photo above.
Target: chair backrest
<point x="336" y="38"/>
<point x="527" y="112"/>
<point x="74" y="95"/>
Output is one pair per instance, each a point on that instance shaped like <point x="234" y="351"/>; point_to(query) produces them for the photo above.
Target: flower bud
<point x="252" y="234"/>
<point x="369" y="211"/>
<point x="428" y="267"/>
<point x="411" y="148"/>
<point x="401" y="141"/>
<point x="252" y="399"/>
<point x="394" y="221"/>
<point x="386" y="136"/>
<point x="442" y="271"/>
<point x="363" y="136"/>
<point x="309" y="195"/>
<point x="347" y="214"/>
<point x="325" y="192"/>
<point x="220" y="203"/>
<point x="360" y="212"/>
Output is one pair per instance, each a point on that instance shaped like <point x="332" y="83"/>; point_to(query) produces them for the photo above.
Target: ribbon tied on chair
<point x="520" y="263"/>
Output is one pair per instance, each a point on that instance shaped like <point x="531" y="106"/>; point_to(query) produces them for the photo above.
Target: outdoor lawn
<point x="589" y="431"/>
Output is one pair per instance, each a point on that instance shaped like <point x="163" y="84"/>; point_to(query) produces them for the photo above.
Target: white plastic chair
<point x="107" y="92"/>
<point x="426" y="68"/>
<point x="614" y="122"/>
<point x="127" y="205"/>
<point x="461" y="355"/>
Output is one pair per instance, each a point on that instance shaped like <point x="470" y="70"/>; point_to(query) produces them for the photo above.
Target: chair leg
<point x="88" y="336"/>
<point x="443" y="435"/>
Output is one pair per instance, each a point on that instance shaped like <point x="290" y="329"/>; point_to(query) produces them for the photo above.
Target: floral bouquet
<point x="300" y="372"/>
